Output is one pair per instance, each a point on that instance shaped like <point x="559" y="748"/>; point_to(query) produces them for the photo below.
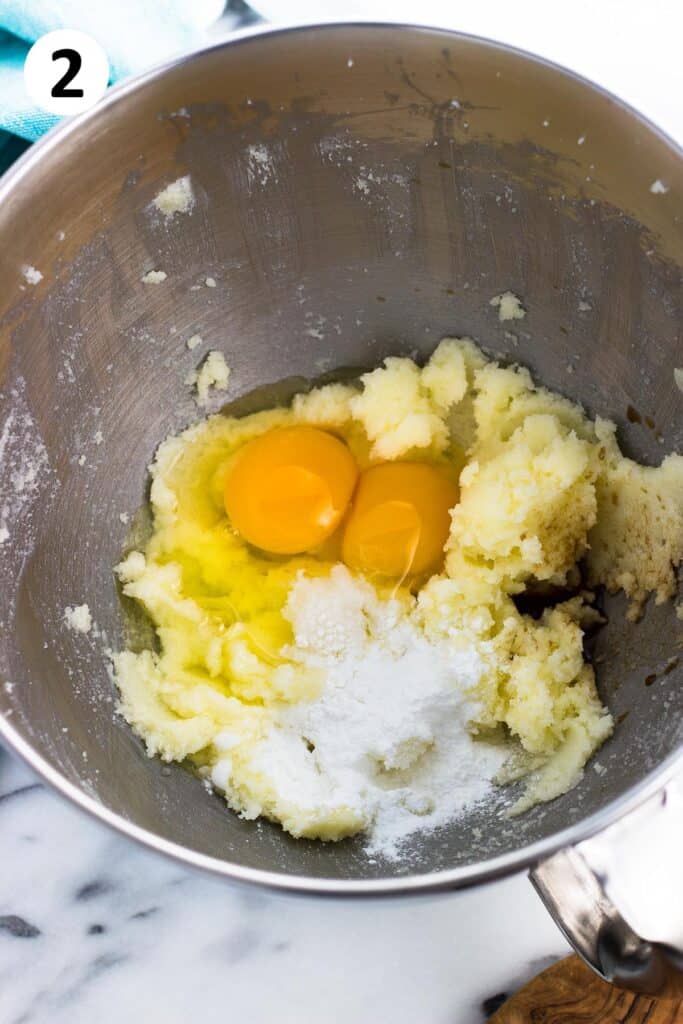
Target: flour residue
<point x="23" y="463"/>
<point x="260" y="164"/>
<point x="27" y="486"/>
<point x="372" y="180"/>
<point x="383" y="186"/>
<point x="369" y="181"/>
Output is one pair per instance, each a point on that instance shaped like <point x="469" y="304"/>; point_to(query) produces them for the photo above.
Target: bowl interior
<point x="360" y="192"/>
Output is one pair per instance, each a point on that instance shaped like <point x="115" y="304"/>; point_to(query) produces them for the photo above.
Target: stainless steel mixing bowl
<point x="360" y="191"/>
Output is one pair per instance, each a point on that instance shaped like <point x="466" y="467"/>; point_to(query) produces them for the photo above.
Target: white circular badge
<point x="66" y="72"/>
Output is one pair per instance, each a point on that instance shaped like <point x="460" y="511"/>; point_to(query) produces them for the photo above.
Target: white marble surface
<point x="93" y="928"/>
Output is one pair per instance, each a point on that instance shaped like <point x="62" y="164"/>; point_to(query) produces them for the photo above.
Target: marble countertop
<point x="93" y="928"/>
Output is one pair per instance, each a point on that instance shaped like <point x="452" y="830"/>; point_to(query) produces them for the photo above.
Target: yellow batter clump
<point x="541" y="487"/>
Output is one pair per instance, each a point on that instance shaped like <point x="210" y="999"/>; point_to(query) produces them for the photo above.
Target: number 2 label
<point x="66" y="72"/>
<point x="59" y="89"/>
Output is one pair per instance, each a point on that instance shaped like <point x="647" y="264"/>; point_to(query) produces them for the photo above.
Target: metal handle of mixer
<point x="618" y="896"/>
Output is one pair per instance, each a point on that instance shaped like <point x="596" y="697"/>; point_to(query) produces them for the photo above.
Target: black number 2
<point x="59" y="88"/>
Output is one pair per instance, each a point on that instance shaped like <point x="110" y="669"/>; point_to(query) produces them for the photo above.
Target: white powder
<point x="31" y="275"/>
<point x="78" y="618"/>
<point x="26" y="481"/>
<point x="210" y="282"/>
<point x="178" y="197"/>
<point x="194" y="341"/>
<point x="213" y="373"/>
<point x="260" y="164"/>
<point x="509" y="306"/>
<point x="154" y="277"/>
<point x="659" y="188"/>
<point x="387" y="737"/>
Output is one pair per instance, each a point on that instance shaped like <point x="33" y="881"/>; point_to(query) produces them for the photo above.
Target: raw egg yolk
<point x="399" y="522"/>
<point x="289" y="489"/>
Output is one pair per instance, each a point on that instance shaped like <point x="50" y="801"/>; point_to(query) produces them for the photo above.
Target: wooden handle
<point x="570" y="993"/>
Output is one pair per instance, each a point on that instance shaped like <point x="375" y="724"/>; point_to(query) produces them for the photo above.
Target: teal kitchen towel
<point x="134" y="33"/>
